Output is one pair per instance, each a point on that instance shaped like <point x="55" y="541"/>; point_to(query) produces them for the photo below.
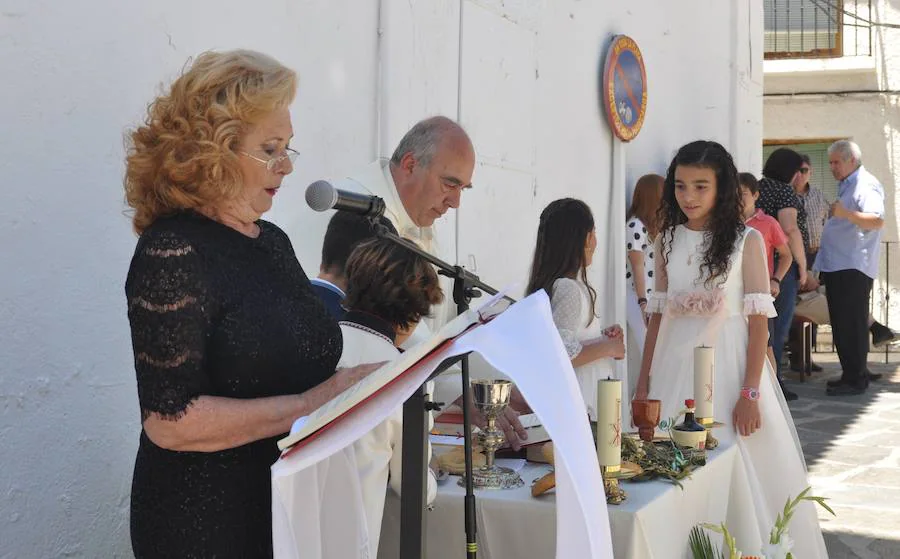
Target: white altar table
<point x="653" y="523"/>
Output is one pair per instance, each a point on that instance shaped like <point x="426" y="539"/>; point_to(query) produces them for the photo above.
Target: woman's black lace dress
<point x="214" y="312"/>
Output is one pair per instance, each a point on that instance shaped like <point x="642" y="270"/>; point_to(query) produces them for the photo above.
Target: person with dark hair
<point x="848" y="263"/>
<point x="773" y="235"/>
<point x="389" y="290"/>
<point x="778" y="199"/>
<point x="712" y="289"/>
<point x="815" y="205"/>
<point x="776" y="242"/>
<point x="564" y="250"/>
<point x="345" y="231"/>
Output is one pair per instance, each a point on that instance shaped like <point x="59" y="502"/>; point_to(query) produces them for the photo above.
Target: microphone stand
<point x="413" y="484"/>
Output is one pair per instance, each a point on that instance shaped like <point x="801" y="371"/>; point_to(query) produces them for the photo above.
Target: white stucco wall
<point x="849" y="97"/>
<point x="522" y="75"/>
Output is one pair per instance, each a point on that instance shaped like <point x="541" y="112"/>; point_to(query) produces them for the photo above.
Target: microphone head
<point x="321" y="196"/>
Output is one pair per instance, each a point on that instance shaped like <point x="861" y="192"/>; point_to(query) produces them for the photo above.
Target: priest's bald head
<point x="431" y="166"/>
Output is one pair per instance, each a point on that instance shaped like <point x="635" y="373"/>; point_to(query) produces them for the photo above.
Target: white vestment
<point x="379" y="453"/>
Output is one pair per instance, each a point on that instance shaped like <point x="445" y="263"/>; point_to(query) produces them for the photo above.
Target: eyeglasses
<point x="273" y="162"/>
<point x="804" y="170"/>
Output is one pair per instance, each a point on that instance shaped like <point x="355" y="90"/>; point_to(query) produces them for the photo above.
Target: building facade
<point x="832" y="71"/>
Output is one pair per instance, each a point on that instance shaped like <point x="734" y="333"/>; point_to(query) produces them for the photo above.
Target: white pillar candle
<point x="704" y="381"/>
<point x="609" y="422"/>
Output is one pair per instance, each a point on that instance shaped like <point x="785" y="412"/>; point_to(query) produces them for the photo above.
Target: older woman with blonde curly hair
<point x="231" y="344"/>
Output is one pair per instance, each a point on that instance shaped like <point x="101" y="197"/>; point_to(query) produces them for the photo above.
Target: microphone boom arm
<point x="461" y="275"/>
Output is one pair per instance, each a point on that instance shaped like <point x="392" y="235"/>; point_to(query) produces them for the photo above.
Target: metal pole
<point x="887" y="294"/>
<point x="463" y="292"/>
<point x="806" y="339"/>
<point x="471" y="523"/>
<point x="413" y="483"/>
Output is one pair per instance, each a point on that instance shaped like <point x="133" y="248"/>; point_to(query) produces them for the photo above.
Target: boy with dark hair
<point x="345" y="231"/>
<point x="776" y="242"/>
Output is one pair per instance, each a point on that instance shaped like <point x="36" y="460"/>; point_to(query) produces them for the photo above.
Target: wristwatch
<point x="750" y="393"/>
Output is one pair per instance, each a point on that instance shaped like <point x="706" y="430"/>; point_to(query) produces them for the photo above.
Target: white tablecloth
<point x="653" y="523"/>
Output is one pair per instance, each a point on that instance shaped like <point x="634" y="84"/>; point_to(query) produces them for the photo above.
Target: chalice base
<point x="496" y="477"/>
<point x="615" y="495"/>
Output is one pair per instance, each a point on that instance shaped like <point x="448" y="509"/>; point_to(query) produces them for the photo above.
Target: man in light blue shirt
<point x="848" y="262"/>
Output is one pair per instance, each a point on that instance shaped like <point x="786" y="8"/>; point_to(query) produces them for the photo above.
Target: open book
<point x="306" y="427"/>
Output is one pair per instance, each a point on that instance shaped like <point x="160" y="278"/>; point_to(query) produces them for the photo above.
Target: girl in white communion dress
<point x="712" y="288"/>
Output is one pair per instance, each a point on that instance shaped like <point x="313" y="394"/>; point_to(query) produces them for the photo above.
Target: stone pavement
<point x="852" y="447"/>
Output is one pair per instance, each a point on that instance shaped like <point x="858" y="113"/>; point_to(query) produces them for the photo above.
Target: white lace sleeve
<point x="757" y="299"/>
<point x="656" y="303"/>
<point x="759" y="303"/>
<point x="565" y="303"/>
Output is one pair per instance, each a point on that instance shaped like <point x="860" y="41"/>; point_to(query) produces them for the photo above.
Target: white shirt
<point x="379" y="452"/>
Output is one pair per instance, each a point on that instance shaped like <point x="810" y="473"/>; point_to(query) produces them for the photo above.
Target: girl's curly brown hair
<point x="725" y="224"/>
<point x="184" y="154"/>
<point x="390" y="282"/>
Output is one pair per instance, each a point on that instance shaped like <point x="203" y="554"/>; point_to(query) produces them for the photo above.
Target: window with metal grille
<point x="817" y="28"/>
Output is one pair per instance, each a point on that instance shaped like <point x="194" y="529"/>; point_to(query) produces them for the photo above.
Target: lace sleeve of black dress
<point x="169" y="312"/>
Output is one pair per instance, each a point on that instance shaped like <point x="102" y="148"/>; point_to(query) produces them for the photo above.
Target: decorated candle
<point x="704" y="381"/>
<point x="609" y="422"/>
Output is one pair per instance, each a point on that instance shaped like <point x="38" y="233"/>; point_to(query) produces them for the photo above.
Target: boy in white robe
<point x="389" y="291"/>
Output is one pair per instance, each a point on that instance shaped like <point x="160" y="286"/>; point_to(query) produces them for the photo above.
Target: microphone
<point x="322" y="196"/>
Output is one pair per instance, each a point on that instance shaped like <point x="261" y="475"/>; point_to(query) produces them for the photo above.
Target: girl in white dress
<point x="565" y="247"/>
<point x="712" y="288"/>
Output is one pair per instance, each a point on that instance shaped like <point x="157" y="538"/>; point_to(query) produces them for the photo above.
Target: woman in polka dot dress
<point x="640" y="232"/>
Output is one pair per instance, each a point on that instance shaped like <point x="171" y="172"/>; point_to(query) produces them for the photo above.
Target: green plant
<point x="701" y="546"/>
<point x="780" y="543"/>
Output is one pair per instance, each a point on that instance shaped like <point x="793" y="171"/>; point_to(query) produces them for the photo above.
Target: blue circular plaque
<point x="624" y="95"/>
